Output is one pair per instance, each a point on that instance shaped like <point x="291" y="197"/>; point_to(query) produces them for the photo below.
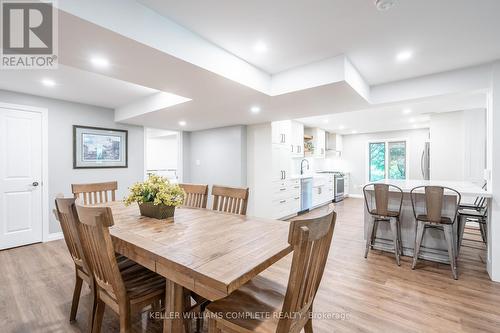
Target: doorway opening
<point x="163" y="154"/>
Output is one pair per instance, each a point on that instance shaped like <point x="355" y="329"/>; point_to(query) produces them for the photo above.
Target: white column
<point x="494" y="165"/>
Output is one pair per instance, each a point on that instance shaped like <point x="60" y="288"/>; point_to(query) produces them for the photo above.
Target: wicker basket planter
<point x="159" y="212"/>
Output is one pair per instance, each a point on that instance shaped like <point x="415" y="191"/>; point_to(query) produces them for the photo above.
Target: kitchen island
<point x="433" y="244"/>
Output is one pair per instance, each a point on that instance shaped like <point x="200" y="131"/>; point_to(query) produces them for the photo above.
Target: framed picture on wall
<point x="95" y="147"/>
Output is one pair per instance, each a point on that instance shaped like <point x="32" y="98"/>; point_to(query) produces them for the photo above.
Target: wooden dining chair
<point x="95" y="193"/>
<point x="123" y="290"/>
<point x="290" y="307"/>
<point x="433" y="218"/>
<point x="380" y="212"/>
<point x="196" y="195"/>
<point x="230" y="199"/>
<point x="64" y="216"/>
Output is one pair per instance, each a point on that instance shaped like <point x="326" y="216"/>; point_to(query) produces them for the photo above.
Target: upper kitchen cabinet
<point x="333" y="142"/>
<point x="281" y="132"/>
<point x="297" y="139"/>
<point x="290" y="134"/>
<point x="319" y="142"/>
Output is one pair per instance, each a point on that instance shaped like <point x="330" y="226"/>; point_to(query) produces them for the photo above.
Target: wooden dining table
<point x="207" y="252"/>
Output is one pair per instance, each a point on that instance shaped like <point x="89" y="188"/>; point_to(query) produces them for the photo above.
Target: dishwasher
<point x="306" y="194"/>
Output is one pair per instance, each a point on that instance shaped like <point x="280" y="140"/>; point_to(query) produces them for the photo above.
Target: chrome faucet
<point x="302" y="166"/>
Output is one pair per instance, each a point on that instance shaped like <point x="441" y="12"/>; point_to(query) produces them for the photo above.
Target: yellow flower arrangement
<point x="157" y="190"/>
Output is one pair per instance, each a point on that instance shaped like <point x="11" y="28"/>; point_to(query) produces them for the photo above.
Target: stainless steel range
<point x="338" y="186"/>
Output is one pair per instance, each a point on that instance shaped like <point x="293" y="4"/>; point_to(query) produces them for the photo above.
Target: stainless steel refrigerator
<point x="425" y="161"/>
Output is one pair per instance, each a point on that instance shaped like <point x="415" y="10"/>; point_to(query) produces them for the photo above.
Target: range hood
<point x="333" y="142"/>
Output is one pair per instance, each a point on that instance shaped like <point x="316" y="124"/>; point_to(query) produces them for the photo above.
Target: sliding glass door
<point x="387" y="159"/>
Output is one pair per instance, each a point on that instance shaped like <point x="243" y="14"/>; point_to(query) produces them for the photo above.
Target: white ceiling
<point x="138" y="69"/>
<point x="216" y="101"/>
<point x="444" y="34"/>
<point x="400" y="116"/>
<point x="74" y="85"/>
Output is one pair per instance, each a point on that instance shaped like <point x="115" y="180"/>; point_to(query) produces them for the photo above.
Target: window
<point x="397" y="160"/>
<point x="377" y="161"/>
<point x="387" y="159"/>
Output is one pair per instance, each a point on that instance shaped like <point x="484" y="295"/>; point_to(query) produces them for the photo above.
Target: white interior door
<point x="20" y="177"/>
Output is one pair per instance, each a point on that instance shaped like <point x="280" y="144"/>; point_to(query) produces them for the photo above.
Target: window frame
<point x="386" y="171"/>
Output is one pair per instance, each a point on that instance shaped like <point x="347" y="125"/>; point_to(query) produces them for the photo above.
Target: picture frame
<point x="97" y="147"/>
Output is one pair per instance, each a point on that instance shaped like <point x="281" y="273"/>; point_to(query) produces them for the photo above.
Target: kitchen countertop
<point x="463" y="187"/>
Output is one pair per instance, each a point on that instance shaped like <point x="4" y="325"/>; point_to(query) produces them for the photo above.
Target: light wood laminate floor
<point x="356" y="294"/>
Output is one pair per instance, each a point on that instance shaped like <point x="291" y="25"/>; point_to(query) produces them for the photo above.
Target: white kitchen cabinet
<point x="286" y="198"/>
<point x="319" y="142"/>
<point x="330" y="187"/>
<point x="347" y="181"/>
<point x="291" y="134"/>
<point x="297" y="139"/>
<point x="281" y="162"/>
<point x="273" y="191"/>
<point x="281" y="132"/>
<point x="323" y="189"/>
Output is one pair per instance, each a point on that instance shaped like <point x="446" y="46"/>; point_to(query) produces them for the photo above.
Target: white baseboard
<point x="54" y="236"/>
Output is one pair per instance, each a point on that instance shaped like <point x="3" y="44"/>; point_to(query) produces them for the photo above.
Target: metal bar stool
<point x="480" y="216"/>
<point x="382" y="213"/>
<point x="476" y="212"/>
<point x="433" y="218"/>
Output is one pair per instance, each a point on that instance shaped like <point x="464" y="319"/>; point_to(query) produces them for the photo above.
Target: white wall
<point x="355" y="154"/>
<point x="458" y="145"/>
<point x="162" y="153"/>
<point x="217" y="156"/>
<point x="61" y="117"/>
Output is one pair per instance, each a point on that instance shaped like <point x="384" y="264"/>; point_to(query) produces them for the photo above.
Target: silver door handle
<point x="35" y="184"/>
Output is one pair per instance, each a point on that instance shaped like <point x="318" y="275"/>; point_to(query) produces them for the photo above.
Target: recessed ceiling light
<point x="412" y="120"/>
<point x="99" y="62"/>
<point x="341" y="127"/>
<point x="384" y="5"/>
<point x="255" y="109"/>
<point x="354" y="132"/>
<point x="404" y="56"/>
<point x="182" y="123"/>
<point x="260" y="47"/>
<point x="407" y="111"/>
<point x="48" y="82"/>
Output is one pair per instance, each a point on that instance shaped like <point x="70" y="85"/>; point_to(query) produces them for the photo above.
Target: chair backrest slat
<point x="311" y="239"/>
<point x="230" y="199"/>
<point x="196" y="195"/>
<point x="381" y="194"/>
<point x="94" y="193"/>
<point x="382" y="198"/>
<point x="64" y="214"/>
<point x="434" y="202"/>
<point x="98" y="250"/>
